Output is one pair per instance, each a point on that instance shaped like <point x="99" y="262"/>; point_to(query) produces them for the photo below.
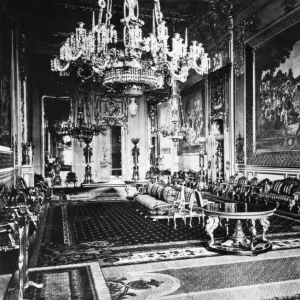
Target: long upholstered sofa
<point x="155" y="199"/>
<point x="285" y="192"/>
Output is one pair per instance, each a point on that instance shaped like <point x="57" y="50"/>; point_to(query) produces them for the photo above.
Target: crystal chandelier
<point x="142" y="63"/>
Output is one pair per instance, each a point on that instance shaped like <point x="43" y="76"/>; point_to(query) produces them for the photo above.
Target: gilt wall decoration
<point x="111" y="111"/>
<point x="5" y="81"/>
<point x="242" y="32"/>
<point x="239" y="150"/>
<point x="218" y="87"/>
<point x="193" y="117"/>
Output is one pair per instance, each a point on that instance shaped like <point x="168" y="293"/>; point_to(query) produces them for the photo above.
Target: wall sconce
<point x="133" y="107"/>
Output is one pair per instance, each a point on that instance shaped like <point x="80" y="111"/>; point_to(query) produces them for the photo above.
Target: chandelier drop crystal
<point x="142" y="63"/>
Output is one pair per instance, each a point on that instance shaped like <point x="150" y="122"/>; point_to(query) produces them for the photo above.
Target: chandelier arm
<point x="57" y="68"/>
<point x="158" y="13"/>
<point x="108" y="12"/>
<point x="199" y="69"/>
<point x="97" y="70"/>
<point x="72" y="58"/>
<point x="85" y="77"/>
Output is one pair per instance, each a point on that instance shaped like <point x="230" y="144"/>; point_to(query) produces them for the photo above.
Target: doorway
<point x="116" y="151"/>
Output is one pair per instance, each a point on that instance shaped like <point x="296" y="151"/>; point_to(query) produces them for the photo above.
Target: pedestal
<point x="27" y="173"/>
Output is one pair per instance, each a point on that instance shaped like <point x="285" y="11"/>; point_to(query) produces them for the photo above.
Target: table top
<point x="135" y="182"/>
<point x="238" y="210"/>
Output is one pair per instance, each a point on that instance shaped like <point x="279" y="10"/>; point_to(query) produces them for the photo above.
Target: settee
<point x="285" y="192"/>
<point x="156" y="199"/>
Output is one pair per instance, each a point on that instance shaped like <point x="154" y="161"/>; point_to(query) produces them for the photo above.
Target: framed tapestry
<point x="193" y="117"/>
<point x="277" y="93"/>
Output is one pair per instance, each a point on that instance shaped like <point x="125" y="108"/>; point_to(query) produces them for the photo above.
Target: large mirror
<point x="57" y="111"/>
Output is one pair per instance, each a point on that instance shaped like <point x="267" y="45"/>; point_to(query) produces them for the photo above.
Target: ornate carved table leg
<point x="265" y="225"/>
<point x="238" y="235"/>
<point x="212" y="224"/>
<point x="227" y="226"/>
<point x="127" y="189"/>
<point x="252" y="229"/>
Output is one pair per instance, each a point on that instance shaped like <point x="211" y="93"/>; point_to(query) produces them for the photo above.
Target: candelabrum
<point x="88" y="153"/>
<point x="219" y="161"/>
<point x="202" y="153"/>
<point x="135" y="154"/>
<point x="57" y="168"/>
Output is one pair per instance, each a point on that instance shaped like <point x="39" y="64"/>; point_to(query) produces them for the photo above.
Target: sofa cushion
<point x="148" y="201"/>
<point x="149" y="188"/>
<point x="288" y="189"/>
<point x="159" y="192"/>
<point x="170" y="195"/>
<point x="278" y="187"/>
<point x="154" y="189"/>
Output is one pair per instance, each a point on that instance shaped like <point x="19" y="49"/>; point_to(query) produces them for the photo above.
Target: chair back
<point x="192" y="200"/>
<point x="199" y="199"/>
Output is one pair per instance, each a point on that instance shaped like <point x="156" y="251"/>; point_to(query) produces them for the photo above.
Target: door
<point x="116" y="151"/>
<point x="105" y="155"/>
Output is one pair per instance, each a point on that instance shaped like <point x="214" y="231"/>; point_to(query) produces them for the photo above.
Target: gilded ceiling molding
<point x="284" y="23"/>
<point x="241" y="33"/>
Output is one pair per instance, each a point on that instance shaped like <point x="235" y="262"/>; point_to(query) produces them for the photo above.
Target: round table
<point x="237" y="243"/>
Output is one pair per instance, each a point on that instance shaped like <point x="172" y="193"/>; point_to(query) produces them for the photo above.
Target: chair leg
<point x="175" y="225"/>
<point x="184" y="220"/>
<point x="191" y="222"/>
<point x="199" y="219"/>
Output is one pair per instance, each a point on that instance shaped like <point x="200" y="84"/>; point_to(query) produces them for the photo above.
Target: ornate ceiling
<point x="47" y="23"/>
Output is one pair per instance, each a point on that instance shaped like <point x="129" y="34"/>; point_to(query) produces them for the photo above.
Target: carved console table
<point x="237" y="243"/>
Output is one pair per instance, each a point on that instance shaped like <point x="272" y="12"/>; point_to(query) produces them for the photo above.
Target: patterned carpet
<point x="63" y="283"/>
<point x="213" y="278"/>
<point x="70" y="283"/>
<point x="113" y="232"/>
<point x="232" y="275"/>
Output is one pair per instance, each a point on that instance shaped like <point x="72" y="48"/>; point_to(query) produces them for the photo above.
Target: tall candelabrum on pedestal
<point x="57" y="168"/>
<point x="202" y="153"/>
<point x="220" y="158"/>
<point x="135" y="154"/>
<point x="88" y="153"/>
